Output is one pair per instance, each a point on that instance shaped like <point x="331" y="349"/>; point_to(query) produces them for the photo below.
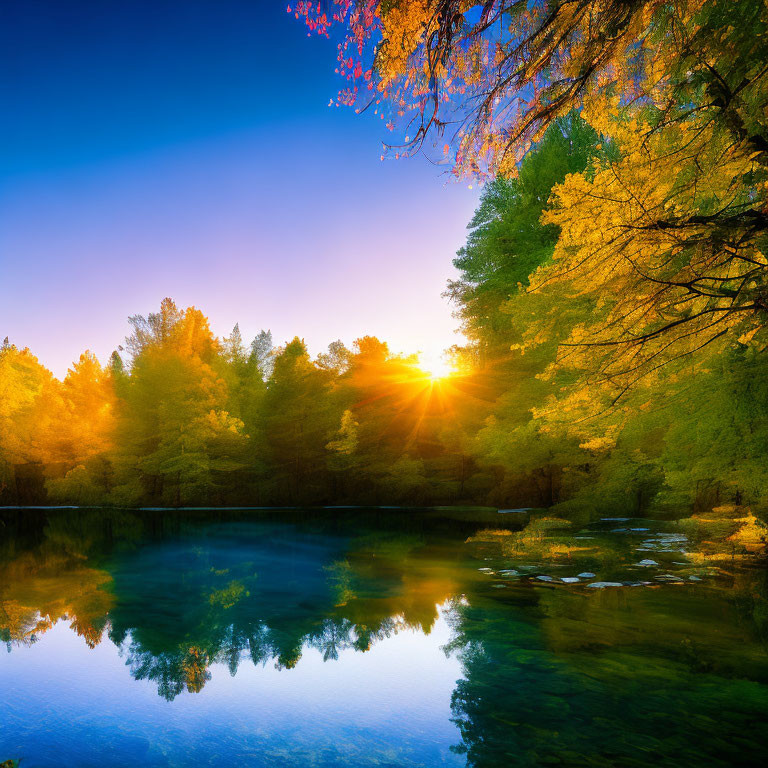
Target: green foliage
<point x="189" y="419"/>
<point x="691" y="436"/>
<point x="507" y="241"/>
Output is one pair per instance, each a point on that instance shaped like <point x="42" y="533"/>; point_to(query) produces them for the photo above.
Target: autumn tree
<point x="177" y="442"/>
<point x="497" y="73"/>
<point x="22" y="380"/>
<point x="85" y="432"/>
<point x="671" y="230"/>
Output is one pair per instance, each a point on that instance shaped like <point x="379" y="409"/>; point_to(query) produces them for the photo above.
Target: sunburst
<point x="436" y="365"/>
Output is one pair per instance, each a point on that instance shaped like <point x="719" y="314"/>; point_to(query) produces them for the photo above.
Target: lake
<point x="372" y="638"/>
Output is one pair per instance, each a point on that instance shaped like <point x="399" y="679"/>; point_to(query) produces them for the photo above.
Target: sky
<point x="187" y="149"/>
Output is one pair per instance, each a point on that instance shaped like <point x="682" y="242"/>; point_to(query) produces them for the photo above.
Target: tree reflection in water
<point x="672" y="676"/>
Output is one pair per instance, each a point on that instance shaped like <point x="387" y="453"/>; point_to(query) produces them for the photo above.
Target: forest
<point x="611" y="290"/>
<point x="178" y="417"/>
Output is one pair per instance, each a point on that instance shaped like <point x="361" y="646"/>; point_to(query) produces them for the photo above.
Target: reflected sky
<point x="390" y="706"/>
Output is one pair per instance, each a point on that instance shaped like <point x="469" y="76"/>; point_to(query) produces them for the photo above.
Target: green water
<point x="379" y="638"/>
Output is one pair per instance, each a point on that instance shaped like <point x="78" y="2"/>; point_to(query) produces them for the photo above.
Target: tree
<point x="262" y="353"/>
<point x="677" y="263"/>
<point x="507" y="241"/>
<point x="176" y="441"/>
<point x="297" y="424"/>
<point x="233" y="348"/>
<point x="85" y="434"/>
<point x="497" y="73"/>
<point x="22" y="380"/>
<point x="336" y="359"/>
<point x="679" y="86"/>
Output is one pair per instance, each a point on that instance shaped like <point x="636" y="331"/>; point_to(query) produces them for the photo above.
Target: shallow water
<point x="376" y="639"/>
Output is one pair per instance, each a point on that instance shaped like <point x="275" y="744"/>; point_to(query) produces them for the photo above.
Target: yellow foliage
<point x="636" y="239"/>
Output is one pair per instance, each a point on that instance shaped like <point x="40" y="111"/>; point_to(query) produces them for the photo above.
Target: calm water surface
<point x="377" y="639"/>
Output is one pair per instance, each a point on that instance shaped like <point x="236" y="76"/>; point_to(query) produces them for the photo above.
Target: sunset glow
<point x="383" y="382"/>
<point x="436" y="365"/>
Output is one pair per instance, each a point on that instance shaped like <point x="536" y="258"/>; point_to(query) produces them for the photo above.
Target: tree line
<point x="178" y="417"/>
<point x="190" y="419"/>
<point x="612" y="289"/>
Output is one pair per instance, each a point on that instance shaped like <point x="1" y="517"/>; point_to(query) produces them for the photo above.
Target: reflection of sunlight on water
<point x="393" y="699"/>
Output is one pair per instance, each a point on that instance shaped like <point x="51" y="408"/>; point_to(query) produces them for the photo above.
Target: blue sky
<point x="186" y="149"/>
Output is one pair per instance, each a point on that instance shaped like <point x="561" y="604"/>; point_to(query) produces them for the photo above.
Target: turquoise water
<point x="376" y="639"/>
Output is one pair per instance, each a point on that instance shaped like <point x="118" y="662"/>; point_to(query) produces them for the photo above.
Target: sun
<point x="436" y="365"/>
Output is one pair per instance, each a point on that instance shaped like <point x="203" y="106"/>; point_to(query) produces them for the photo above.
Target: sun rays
<point x="436" y="365"/>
